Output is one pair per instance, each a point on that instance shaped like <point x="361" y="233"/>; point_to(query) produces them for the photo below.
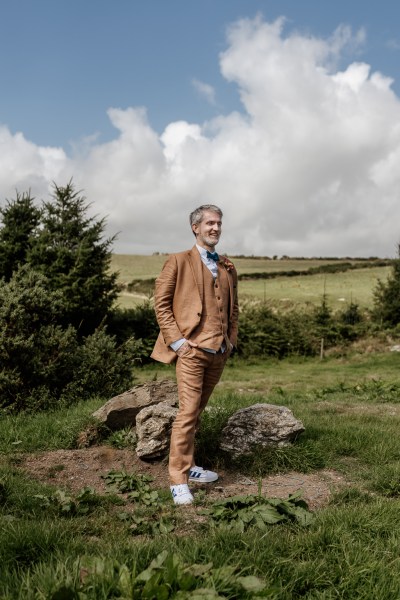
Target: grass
<point x="340" y="288"/>
<point x="45" y="430"/>
<point x="295" y="374"/>
<point x="351" y="411"/>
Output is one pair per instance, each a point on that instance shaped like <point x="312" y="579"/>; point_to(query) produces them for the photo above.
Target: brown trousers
<point x="197" y="373"/>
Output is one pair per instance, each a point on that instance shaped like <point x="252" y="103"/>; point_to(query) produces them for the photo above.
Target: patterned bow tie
<point x="213" y="256"/>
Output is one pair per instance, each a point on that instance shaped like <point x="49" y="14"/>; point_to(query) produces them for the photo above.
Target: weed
<point x="148" y="524"/>
<point x="167" y="576"/>
<point x="134" y="484"/>
<point x="81" y="504"/>
<point x="241" y="512"/>
<point x="123" y="438"/>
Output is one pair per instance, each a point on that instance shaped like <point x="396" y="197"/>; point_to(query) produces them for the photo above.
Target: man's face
<point x="208" y="231"/>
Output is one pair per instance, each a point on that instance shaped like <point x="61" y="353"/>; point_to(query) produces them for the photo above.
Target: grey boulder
<point x="153" y="430"/>
<point x="121" y="411"/>
<point x="259" y="425"/>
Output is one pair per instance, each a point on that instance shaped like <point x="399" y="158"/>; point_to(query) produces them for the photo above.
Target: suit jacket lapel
<point x="230" y="282"/>
<point x="197" y="270"/>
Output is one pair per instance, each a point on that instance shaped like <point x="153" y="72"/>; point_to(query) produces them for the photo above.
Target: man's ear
<point x="194" y="230"/>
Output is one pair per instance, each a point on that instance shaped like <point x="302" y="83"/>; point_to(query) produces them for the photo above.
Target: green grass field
<point x="341" y="288"/>
<point x="60" y="544"/>
<point x="55" y="546"/>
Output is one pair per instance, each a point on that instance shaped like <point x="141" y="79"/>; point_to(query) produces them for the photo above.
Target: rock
<point x="121" y="411"/>
<point x="153" y="430"/>
<point x="259" y="425"/>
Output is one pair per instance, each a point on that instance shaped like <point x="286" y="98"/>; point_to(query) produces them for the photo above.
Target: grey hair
<point x="197" y="215"/>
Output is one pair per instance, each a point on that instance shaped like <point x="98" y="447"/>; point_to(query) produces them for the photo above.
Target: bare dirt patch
<point x="76" y="469"/>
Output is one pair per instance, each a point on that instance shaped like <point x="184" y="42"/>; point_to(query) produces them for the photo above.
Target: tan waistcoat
<point x="212" y="329"/>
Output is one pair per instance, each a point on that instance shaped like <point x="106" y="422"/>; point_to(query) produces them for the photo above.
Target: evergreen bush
<point x="42" y="363"/>
<point x="387" y="297"/>
<point x="139" y="323"/>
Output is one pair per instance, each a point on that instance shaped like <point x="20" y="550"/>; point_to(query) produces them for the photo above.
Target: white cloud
<point x="310" y="167"/>
<point x="205" y="90"/>
<point x="393" y="44"/>
<point x="27" y="166"/>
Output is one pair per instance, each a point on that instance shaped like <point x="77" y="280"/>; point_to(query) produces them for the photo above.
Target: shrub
<point x="139" y="323"/>
<point x="387" y="297"/>
<point x="42" y="363"/>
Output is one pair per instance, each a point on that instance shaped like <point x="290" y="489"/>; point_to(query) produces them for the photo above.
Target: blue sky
<point x="282" y="112"/>
<point x="64" y="63"/>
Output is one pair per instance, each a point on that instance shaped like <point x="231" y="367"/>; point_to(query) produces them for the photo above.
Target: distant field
<point x="138" y="266"/>
<point x="340" y="288"/>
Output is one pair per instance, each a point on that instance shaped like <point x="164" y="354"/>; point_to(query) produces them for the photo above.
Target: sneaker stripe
<point x="195" y="474"/>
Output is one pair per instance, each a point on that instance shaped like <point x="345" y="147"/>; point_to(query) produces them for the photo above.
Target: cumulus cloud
<point x="307" y="168"/>
<point x="206" y="90"/>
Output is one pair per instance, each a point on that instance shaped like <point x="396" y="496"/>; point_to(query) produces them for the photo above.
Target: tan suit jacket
<point x="178" y="301"/>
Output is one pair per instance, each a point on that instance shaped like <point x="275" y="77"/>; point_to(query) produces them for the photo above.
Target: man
<point x="197" y="312"/>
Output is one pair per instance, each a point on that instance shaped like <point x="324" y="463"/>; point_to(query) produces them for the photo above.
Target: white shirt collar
<point x="202" y="251"/>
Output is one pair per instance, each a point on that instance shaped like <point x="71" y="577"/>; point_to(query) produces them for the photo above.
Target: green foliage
<point x="56" y="293"/>
<point x="105" y="368"/>
<point x="134" y="484"/>
<point x="352" y="314"/>
<point x="123" y="438"/>
<point x="268" y="333"/>
<point x="241" y="512"/>
<point x="69" y="250"/>
<point x="339" y="266"/>
<point x="302" y="457"/>
<point x="264" y="331"/>
<point x="350" y="550"/>
<point x="43" y="363"/>
<point x="387" y="297"/>
<point x="151" y="523"/>
<point x="373" y="390"/>
<point x="20" y="219"/>
<point x="46" y="430"/>
<point x="62" y="242"/>
<point x="387" y="481"/>
<point x="167" y="576"/>
<point x="139" y="323"/>
<point x="67" y="505"/>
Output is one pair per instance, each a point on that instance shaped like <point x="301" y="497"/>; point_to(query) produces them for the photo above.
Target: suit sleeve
<point x="233" y="326"/>
<point x="163" y="302"/>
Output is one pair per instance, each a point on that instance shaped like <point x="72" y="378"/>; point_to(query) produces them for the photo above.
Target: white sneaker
<point x="201" y="475"/>
<point x="181" y="494"/>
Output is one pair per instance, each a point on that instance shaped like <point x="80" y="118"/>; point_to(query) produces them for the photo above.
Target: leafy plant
<point x="134" y="484"/>
<point x="81" y="504"/>
<point x="241" y="512"/>
<point x="123" y="438"/>
<point x="167" y="576"/>
<point x="148" y="524"/>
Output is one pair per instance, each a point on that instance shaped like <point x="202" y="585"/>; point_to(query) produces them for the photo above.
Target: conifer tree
<point x="71" y="251"/>
<point x="20" y="219"/>
<point x="387" y="296"/>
